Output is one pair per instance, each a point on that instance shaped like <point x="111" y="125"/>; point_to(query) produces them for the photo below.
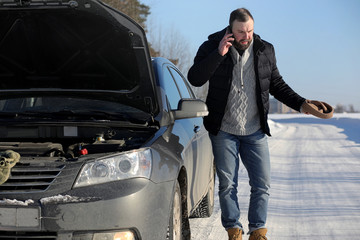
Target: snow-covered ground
<point x="315" y="191"/>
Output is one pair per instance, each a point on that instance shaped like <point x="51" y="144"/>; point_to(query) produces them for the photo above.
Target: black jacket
<point x="210" y="66"/>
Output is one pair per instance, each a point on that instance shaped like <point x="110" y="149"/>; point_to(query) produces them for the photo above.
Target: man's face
<point x="243" y="33"/>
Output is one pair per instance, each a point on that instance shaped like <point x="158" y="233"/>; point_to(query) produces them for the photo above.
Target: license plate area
<point x="20" y="218"/>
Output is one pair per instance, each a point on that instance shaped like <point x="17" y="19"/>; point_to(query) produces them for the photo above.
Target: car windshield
<point x="68" y="108"/>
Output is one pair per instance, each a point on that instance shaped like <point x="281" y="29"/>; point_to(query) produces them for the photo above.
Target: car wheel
<point x="175" y="225"/>
<point x="206" y="206"/>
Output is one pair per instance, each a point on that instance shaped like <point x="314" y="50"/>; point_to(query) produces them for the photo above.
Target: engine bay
<point x="69" y="141"/>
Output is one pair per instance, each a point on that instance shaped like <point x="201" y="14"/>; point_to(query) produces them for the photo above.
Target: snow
<point x="6" y="201"/>
<point x="315" y="191"/>
<point x="63" y="199"/>
<point x="53" y="199"/>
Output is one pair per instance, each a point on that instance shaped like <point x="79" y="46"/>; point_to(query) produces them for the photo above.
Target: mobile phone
<point x="230" y="32"/>
<point x="229" y="29"/>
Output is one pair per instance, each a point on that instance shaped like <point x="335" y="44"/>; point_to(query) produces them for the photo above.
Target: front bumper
<point x="138" y="205"/>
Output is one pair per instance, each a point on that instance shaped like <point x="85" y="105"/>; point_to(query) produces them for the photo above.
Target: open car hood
<point x="80" y="48"/>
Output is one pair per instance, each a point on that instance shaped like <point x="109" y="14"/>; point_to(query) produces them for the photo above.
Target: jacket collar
<point x="258" y="44"/>
<point x="217" y="36"/>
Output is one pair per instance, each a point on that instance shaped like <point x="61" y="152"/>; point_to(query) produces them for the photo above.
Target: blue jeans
<point x="254" y="153"/>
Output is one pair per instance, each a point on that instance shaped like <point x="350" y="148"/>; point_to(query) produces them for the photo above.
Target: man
<point x="241" y="70"/>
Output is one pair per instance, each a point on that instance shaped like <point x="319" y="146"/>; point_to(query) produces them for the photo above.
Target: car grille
<point x="27" y="235"/>
<point x="27" y="179"/>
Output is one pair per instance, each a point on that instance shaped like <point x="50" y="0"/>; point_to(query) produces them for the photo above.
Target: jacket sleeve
<point x="206" y="62"/>
<point x="281" y="90"/>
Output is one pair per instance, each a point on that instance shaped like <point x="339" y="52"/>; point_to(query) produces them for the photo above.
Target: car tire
<point x="176" y="222"/>
<point x="206" y="206"/>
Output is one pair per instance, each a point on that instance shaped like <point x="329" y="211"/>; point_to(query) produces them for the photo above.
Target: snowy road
<point x="315" y="191"/>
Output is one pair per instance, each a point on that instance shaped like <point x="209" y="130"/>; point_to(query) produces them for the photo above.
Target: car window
<point x="184" y="90"/>
<point x="171" y="89"/>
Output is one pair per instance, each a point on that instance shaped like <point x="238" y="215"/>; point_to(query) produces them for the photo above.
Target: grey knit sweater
<point x="241" y="113"/>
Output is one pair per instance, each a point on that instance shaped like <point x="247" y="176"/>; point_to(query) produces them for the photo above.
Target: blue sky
<point x="317" y="42"/>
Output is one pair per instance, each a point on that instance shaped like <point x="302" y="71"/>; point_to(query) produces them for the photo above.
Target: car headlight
<point x="127" y="165"/>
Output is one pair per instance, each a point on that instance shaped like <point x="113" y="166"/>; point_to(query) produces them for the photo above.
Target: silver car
<point x="97" y="139"/>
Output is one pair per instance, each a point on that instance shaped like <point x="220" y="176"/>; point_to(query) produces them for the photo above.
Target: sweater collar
<point x="245" y="56"/>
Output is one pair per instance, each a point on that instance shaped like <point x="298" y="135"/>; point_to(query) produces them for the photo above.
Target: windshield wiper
<point x="16" y="115"/>
<point x="76" y="115"/>
<point x="117" y="116"/>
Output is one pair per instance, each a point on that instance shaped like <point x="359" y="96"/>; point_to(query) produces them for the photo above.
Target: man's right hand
<point x="226" y="43"/>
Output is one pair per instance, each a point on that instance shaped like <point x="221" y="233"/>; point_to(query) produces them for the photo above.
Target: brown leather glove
<point x="318" y="109"/>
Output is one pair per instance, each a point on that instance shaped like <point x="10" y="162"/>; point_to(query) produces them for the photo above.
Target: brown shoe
<point x="234" y="233"/>
<point x="258" y="234"/>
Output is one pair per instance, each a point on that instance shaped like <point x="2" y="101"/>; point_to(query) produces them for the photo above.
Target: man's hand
<point x="226" y="43"/>
<point x="317" y="108"/>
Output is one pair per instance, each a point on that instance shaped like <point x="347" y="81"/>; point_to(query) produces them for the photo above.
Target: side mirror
<point x="190" y="108"/>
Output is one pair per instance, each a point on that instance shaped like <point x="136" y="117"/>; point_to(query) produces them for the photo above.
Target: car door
<point x="182" y="129"/>
<point x="199" y="168"/>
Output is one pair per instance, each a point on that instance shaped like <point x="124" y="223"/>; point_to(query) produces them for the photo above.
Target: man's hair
<point x="241" y="15"/>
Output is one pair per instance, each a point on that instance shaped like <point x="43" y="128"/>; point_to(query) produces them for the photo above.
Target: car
<point x="97" y="139"/>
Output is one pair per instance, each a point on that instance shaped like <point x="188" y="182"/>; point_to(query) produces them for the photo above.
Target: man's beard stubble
<point x="240" y="46"/>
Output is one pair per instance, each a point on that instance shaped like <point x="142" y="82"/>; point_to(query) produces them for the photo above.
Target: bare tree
<point x="339" y="108"/>
<point x="132" y="8"/>
<point x="169" y="43"/>
<point x="351" y="108"/>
